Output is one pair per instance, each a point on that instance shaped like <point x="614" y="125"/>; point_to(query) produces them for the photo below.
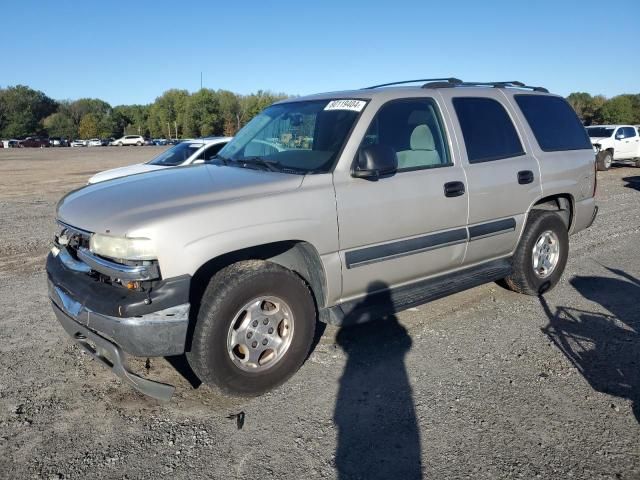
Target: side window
<point x="553" y="122"/>
<point x="620" y="134"/>
<point x="212" y="151"/>
<point x="413" y="128"/>
<point x="629" y="132"/>
<point x="488" y="131"/>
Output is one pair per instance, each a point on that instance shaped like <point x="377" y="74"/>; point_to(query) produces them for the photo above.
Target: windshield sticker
<point x="353" y="105"/>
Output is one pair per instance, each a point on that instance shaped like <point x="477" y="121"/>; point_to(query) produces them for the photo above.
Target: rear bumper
<point x="585" y="212"/>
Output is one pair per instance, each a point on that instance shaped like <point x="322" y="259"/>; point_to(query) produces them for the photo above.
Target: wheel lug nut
<point x="255" y="323"/>
<point x="254" y="344"/>
<point x="265" y="321"/>
<point x="271" y="330"/>
<point x="249" y="335"/>
<point x="265" y="341"/>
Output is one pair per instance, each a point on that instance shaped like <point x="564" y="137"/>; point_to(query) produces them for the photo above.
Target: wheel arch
<point x="296" y="255"/>
<point x="562" y="203"/>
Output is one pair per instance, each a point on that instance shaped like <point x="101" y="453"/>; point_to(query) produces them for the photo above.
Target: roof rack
<point x="449" y="80"/>
<point x="506" y="84"/>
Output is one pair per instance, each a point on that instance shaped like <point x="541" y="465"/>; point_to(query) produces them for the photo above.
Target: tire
<point x="604" y="160"/>
<point x="524" y="278"/>
<point x="138" y="144"/>
<point x="120" y="144"/>
<point x="638" y="163"/>
<point x="231" y="291"/>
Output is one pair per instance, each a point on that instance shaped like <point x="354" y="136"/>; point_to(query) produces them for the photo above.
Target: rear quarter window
<point x="553" y="122"/>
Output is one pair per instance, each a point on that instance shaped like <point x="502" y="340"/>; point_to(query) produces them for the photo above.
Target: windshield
<point x="176" y="155"/>
<point x="599" y="132"/>
<point x="295" y="137"/>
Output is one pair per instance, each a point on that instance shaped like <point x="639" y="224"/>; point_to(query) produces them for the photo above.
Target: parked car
<point x="160" y="141"/>
<point x="58" y="142"/>
<point x="79" y="143"/>
<point x="95" y="142"/>
<point x="339" y="208"/>
<point x="13" y="143"/>
<point x="615" y="143"/>
<point x="137" y="140"/>
<point x="185" y="153"/>
<point x="35" y="142"/>
<point x="148" y="142"/>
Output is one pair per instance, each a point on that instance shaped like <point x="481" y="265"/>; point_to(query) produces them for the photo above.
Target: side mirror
<point x="375" y="161"/>
<point x="619" y="136"/>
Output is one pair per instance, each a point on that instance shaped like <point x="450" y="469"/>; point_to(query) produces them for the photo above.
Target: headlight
<point x="122" y="248"/>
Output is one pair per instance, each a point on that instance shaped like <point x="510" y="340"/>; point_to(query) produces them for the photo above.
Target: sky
<point x="131" y="52"/>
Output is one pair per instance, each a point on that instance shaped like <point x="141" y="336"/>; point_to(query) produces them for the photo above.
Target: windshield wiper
<point x="271" y="165"/>
<point x="225" y="161"/>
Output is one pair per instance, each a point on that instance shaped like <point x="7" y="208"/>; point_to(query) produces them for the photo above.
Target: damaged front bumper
<point x="110" y="322"/>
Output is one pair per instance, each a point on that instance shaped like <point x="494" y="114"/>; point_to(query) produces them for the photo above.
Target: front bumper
<point x="108" y="321"/>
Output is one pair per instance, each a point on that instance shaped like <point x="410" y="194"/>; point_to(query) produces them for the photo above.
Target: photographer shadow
<point x="378" y="432"/>
<point x="604" y="348"/>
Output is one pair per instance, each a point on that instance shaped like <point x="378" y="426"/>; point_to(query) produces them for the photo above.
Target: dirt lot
<point x="483" y="384"/>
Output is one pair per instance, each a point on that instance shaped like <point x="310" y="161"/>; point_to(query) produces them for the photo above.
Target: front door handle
<point x="453" y="189"/>
<point x="525" y="176"/>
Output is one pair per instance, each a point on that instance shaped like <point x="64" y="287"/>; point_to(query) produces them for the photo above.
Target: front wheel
<point x="604" y="160"/>
<point x="541" y="256"/>
<point x="120" y="144"/>
<point x="254" y="329"/>
<point x="139" y="144"/>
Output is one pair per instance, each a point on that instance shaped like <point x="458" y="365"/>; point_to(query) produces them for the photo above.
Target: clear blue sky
<point x="130" y="52"/>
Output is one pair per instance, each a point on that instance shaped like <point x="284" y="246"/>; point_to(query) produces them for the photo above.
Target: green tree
<point x="22" y="111"/>
<point x="202" y="114"/>
<point x="60" y="124"/>
<point x="167" y="111"/>
<point x="618" y="110"/>
<point x="88" y="126"/>
<point x="230" y="112"/>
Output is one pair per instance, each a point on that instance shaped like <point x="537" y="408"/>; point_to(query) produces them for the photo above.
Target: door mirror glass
<point x="375" y="161"/>
<point x="619" y="136"/>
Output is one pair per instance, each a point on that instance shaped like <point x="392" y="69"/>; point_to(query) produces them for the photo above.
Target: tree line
<point x="174" y="114"/>
<point x="178" y="113"/>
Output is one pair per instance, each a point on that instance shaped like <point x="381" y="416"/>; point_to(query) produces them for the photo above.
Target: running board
<point x="389" y="301"/>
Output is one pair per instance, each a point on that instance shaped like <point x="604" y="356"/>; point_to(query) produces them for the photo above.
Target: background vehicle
<point x="35" y="142"/>
<point x="338" y="207"/>
<point x="79" y="143"/>
<point x="58" y="142"/>
<point x="137" y="140"/>
<point x="13" y="143"/>
<point x="185" y="153"/>
<point x="148" y="142"/>
<point x="160" y="141"/>
<point x="95" y="142"/>
<point x="615" y="143"/>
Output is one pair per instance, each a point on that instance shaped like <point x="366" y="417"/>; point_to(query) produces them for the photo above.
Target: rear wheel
<point x="638" y="163"/>
<point x="119" y="144"/>
<point x="541" y="255"/>
<point x="139" y="144"/>
<point x="604" y="160"/>
<point x="254" y="329"/>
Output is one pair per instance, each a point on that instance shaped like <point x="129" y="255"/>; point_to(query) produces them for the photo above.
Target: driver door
<point x="405" y="227"/>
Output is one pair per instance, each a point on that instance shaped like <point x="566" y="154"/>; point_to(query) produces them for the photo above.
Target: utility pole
<point x="200" y="80"/>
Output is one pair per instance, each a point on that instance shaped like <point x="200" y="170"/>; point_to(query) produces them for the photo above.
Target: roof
<point x="400" y="89"/>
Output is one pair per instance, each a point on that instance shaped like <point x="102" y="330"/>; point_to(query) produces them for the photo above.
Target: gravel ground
<point x="483" y="384"/>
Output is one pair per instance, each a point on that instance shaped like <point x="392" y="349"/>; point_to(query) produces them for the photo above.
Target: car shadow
<point x="605" y="348"/>
<point x="632" y="182"/>
<point x="378" y="432"/>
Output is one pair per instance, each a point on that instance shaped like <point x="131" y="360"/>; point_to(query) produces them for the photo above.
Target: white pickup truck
<point x="615" y="143"/>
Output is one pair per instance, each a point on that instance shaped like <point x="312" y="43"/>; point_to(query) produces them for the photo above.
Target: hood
<point x="126" y="204"/>
<point x="599" y="139"/>
<point x="123" y="172"/>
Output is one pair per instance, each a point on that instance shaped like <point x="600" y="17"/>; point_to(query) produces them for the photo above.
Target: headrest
<point x="422" y="138"/>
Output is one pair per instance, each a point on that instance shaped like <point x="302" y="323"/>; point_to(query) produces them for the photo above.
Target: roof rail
<point x="449" y="80"/>
<point x="506" y="84"/>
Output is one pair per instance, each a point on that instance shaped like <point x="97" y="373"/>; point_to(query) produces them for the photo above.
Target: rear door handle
<point x="453" y="189"/>
<point x="525" y="176"/>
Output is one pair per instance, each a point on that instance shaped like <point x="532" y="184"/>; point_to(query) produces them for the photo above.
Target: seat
<point x="423" y="149"/>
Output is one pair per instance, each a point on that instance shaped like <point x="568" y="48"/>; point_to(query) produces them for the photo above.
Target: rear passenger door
<point x="503" y="178"/>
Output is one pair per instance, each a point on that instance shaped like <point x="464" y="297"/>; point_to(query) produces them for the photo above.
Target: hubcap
<point x="546" y="253"/>
<point x="607" y="161"/>
<point x="260" y="334"/>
